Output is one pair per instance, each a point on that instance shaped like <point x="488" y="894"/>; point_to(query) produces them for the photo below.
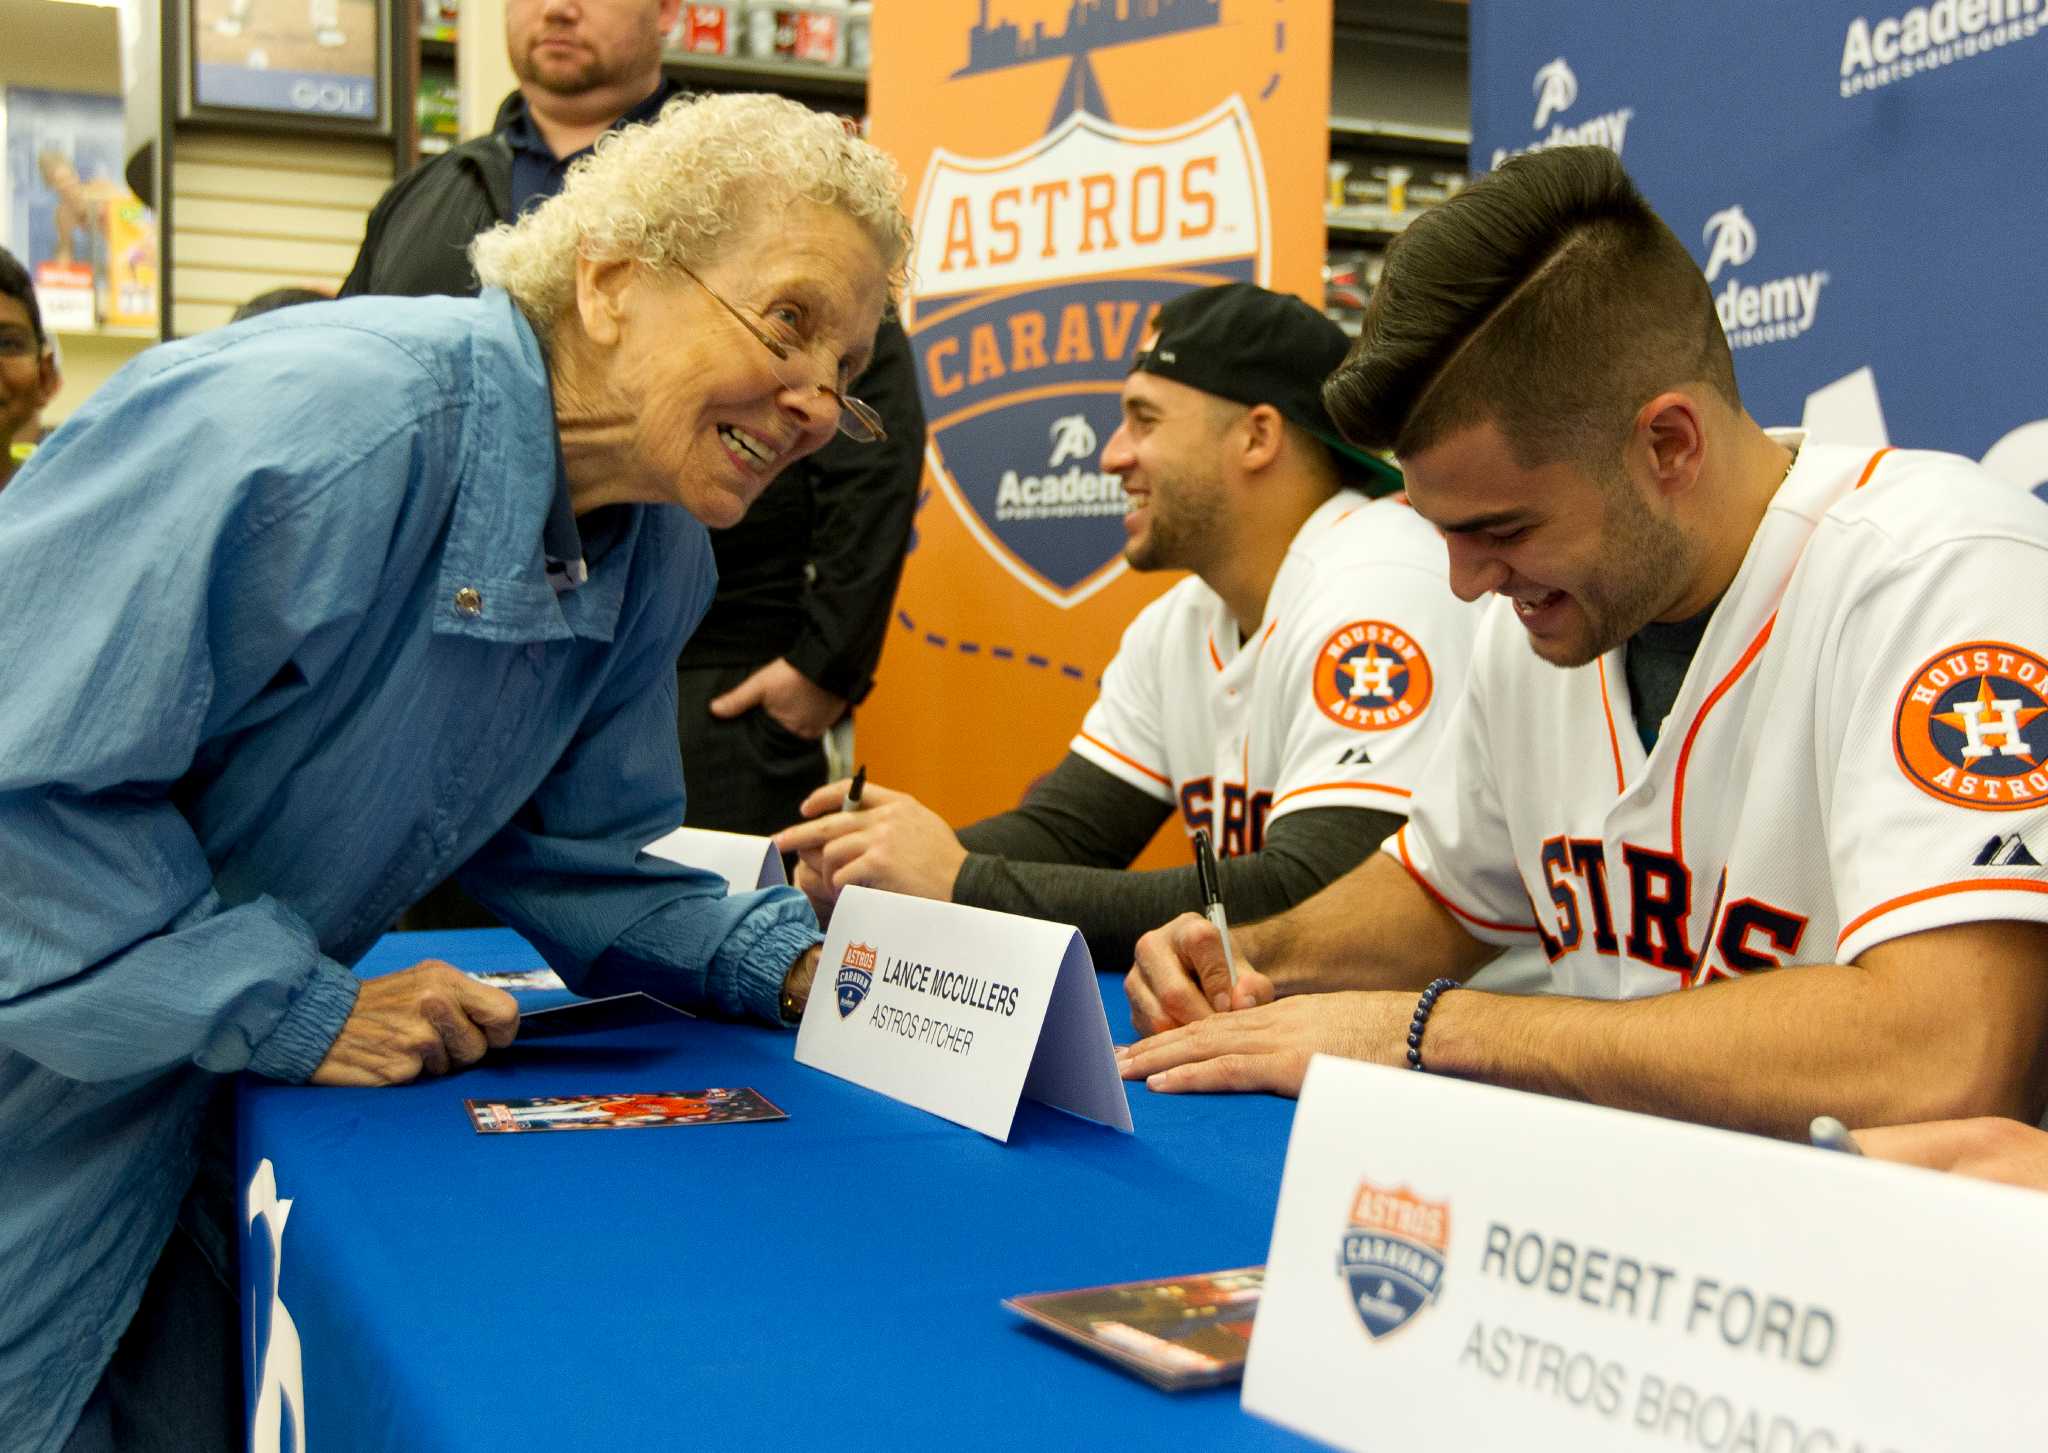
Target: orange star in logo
<point x="1990" y="719"/>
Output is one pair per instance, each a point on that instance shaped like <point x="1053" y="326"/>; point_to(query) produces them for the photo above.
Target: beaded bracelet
<point x="1436" y="990"/>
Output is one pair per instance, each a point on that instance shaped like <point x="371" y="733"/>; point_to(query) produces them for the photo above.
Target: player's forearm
<point x="1370" y="929"/>
<point x="1077" y="813"/>
<point x="1765" y="1054"/>
<point x="1112" y="907"/>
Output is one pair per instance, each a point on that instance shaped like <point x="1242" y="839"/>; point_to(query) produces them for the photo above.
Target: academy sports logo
<point x="1392" y="1256"/>
<point x="1754" y="313"/>
<point x="856" y="974"/>
<point x="1972" y="727"/>
<point x="1076" y="494"/>
<point x="1731" y="240"/>
<point x="1034" y="278"/>
<point x="1928" y="37"/>
<point x="1556" y="90"/>
<point x="1372" y="676"/>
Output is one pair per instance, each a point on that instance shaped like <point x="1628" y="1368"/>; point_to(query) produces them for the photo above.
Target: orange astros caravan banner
<point x="1072" y="164"/>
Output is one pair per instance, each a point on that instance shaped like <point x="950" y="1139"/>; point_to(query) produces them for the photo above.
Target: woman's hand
<point x="428" y="1019"/>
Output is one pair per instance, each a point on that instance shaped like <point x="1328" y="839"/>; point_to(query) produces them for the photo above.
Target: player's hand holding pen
<point x="1190" y="969"/>
<point x="874" y="837"/>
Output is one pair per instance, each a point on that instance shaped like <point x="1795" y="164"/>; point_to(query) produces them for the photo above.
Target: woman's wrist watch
<point x="796" y="984"/>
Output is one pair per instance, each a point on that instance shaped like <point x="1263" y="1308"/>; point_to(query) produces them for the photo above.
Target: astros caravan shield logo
<point x="1391" y="1259"/>
<point x="1971" y="727"/>
<point x="1372" y="676"/>
<point x="1035" y="276"/>
<point x="856" y="973"/>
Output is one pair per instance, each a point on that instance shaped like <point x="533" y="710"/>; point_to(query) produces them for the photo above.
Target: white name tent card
<point x="745" y="862"/>
<point x="1456" y="1266"/>
<point x="961" y="1012"/>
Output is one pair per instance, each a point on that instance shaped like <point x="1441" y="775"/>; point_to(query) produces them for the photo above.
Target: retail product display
<point x="439" y="19"/>
<point x="437" y="111"/>
<point x="821" y="32"/>
<point x="1349" y="276"/>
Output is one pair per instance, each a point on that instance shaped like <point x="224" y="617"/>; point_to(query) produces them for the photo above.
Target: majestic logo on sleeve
<point x="2009" y="851"/>
<point x="856" y="973"/>
<point x="1392" y="1256"/>
<point x="1034" y="278"/>
<point x="1972" y="727"/>
<point x="1372" y="676"/>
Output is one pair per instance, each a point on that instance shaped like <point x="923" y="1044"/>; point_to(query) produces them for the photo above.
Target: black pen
<point x="1212" y="900"/>
<point x="851" y="802"/>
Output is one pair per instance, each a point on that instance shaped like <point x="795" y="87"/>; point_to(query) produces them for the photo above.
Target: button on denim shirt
<point x="245" y="721"/>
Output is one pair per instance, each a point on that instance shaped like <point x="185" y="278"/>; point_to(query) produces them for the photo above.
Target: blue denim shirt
<point x="245" y="721"/>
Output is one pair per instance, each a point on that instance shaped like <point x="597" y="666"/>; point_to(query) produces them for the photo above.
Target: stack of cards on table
<point x="620" y="1112"/>
<point x="1177" y="1332"/>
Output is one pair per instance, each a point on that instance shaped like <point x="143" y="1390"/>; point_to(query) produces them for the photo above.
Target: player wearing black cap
<point x="1284" y="697"/>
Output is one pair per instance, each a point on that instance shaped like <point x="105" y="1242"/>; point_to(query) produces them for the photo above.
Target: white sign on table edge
<point x="1457" y="1266"/>
<point x="737" y="857"/>
<point x="962" y="1012"/>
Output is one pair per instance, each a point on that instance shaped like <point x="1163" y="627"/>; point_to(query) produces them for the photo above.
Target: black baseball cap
<point x="1243" y="342"/>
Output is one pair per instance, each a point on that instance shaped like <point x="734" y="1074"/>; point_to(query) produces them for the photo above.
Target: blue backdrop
<point x="1865" y="185"/>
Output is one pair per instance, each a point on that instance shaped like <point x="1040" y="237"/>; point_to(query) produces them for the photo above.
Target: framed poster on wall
<point x="319" y="64"/>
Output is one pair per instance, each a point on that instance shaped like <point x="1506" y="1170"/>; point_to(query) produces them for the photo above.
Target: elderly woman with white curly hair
<point x="302" y="614"/>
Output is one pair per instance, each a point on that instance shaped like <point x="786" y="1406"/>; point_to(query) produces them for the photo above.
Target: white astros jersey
<point x="1335" y="702"/>
<point x="1859" y="749"/>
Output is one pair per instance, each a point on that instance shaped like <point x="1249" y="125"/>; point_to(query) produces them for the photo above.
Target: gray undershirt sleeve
<point x="1076" y="813"/>
<point x="1064" y="855"/>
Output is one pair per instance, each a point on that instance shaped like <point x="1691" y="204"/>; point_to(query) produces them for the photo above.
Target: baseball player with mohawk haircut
<point x="1755" y="744"/>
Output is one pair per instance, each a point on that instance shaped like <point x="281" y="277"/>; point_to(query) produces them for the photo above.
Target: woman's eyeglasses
<point x="857" y="421"/>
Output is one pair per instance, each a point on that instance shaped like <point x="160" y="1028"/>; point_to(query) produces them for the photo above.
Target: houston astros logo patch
<point x="1372" y="676"/>
<point x="856" y="973"/>
<point x="1972" y="727"/>
<point x="1392" y="1256"/>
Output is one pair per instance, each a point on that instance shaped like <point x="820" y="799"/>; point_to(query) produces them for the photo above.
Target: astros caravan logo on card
<point x="1036" y="273"/>
<point x="1972" y="727"/>
<point x="1556" y="89"/>
<point x="856" y="974"/>
<point x="1372" y="676"/>
<point x="1928" y="37"/>
<point x="1755" y="313"/>
<point x="1392" y="1256"/>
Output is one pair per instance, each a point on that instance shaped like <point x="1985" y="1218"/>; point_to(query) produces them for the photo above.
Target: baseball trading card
<point x="620" y="1112"/>
<point x="521" y="980"/>
<point x="1177" y="1332"/>
<point x="593" y="1016"/>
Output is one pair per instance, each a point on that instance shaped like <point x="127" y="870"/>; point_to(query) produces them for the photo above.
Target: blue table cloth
<point x="831" y="1281"/>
